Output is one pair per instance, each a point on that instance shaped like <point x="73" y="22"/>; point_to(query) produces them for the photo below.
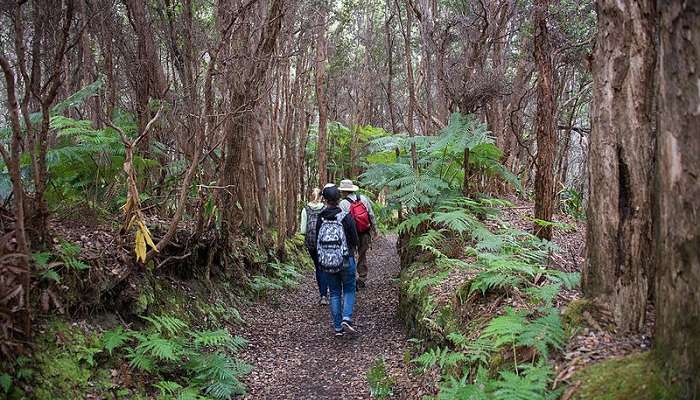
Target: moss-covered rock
<point x="64" y="366"/>
<point x="572" y="317"/>
<point x="634" y="377"/>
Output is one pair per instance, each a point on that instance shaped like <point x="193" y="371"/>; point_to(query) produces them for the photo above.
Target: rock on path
<point x="296" y="356"/>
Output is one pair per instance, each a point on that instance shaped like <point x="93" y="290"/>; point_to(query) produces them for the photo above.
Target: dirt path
<point x="296" y="356"/>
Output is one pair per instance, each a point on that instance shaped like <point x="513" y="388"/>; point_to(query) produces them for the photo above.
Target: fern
<point x="531" y="384"/>
<point x="156" y="347"/>
<point x="504" y="330"/>
<point x="166" y="324"/>
<point x="544" y="294"/>
<point x="167" y="387"/>
<point x="543" y="333"/>
<point x="219" y="374"/>
<point x="411" y="223"/>
<point x="114" y="339"/>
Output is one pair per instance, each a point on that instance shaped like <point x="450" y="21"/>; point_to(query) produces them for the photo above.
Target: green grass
<point x="634" y="377"/>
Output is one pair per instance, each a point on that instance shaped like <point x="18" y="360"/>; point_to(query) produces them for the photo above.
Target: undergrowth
<point x="506" y="357"/>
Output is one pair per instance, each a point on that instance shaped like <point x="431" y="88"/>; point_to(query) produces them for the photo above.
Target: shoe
<point x="348" y="326"/>
<point x="339" y="333"/>
<point x="323" y="301"/>
<point x="361" y="284"/>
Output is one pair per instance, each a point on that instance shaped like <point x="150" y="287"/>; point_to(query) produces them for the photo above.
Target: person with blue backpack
<point x="335" y="245"/>
<point x="309" y="216"/>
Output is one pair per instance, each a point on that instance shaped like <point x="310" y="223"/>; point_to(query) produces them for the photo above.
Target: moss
<point x="572" y="317"/>
<point x="62" y="366"/>
<point x="634" y="377"/>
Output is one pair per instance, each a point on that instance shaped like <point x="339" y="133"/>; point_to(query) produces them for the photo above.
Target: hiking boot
<point x="348" y="326"/>
<point x="323" y="301"/>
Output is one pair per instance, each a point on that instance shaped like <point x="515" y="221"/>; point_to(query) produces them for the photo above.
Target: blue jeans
<point x="320" y="279"/>
<point x="342" y="283"/>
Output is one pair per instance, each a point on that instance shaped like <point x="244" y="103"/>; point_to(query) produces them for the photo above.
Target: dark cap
<point x="331" y="193"/>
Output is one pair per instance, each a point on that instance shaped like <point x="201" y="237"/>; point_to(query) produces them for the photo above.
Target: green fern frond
<point x="167" y="387"/>
<point x="157" y="347"/>
<point x="166" y="323"/>
<point x="114" y="339"/>
<point x="544" y="294"/>
<point x="543" y="333"/>
<point x="505" y="329"/>
<point x="569" y="280"/>
<point x="412" y="222"/>
<point x="217" y="338"/>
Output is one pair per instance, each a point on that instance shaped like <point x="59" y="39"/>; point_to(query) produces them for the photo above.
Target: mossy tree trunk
<point x="544" y="122"/>
<point x="620" y="160"/>
<point x="677" y="214"/>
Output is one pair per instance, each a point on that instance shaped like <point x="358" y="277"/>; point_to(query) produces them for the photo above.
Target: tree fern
<point x="412" y="222"/>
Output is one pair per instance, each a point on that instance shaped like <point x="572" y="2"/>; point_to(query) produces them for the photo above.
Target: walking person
<point x="309" y="217"/>
<point x="360" y="207"/>
<point x="335" y="246"/>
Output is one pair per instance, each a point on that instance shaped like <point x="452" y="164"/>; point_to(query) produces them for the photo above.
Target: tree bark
<point x="321" y="101"/>
<point x="544" y="122"/>
<point x="677" y="225"/>
<point x="408" y="55"/>
<point x="620" y="161"/>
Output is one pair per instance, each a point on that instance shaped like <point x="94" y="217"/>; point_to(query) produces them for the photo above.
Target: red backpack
<point x="359" y="213"/>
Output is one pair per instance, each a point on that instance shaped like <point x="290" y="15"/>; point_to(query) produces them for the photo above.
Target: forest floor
<point x="296" y="356"/>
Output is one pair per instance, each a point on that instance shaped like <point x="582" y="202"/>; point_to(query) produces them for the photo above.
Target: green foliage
<point x="571" y="202"/>
<point x="636" y="376"/>
<point x="440" y="170"/>
<point x="87" y="163"/>
<point x="279" y="276"/>
<point x="507" y="260"/>
<point x="381" y="384"/>
<point x="115" y="338"/>
<point x="49" y="266"/>
<point x="530" y="383"/>
<point x="169" y="348"/>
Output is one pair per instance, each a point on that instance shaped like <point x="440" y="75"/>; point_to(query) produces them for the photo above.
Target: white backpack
<point x="332" y="245"/>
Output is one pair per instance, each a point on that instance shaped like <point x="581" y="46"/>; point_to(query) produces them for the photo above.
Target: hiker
<point x="309" y="216"/>
<point x="335" y="246"/>
<point x="360" y="207"/>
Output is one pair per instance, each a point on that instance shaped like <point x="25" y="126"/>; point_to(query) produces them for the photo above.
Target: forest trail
<point x="295" y="354"/>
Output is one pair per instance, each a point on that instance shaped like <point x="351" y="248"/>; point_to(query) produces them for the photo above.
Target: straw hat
<point x="346" y="185"/>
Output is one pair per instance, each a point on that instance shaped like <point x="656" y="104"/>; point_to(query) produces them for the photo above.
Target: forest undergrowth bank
<point x="497" y="313"/>
<point x="112" y="329"/>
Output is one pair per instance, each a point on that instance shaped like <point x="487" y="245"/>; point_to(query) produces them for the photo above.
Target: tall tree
<point x="321" y="101"/>
<point x="621" y="160"/>
<point x="677" y="225"/>
<point x="544" y="122"/>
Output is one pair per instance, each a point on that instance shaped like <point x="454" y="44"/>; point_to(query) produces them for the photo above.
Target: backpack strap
<point x="339" y="217"/>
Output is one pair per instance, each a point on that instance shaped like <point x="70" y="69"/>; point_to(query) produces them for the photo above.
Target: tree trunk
<point x="544" y="123"/>
<point x="620" y="160"/>
<point x="677" y="225"/>
<point x="411" y="85"/>
<point x="321" y="98"/>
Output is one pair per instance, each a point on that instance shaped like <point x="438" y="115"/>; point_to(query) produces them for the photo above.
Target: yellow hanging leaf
<point x="131" y="222"/>
<point x="140" y="246"/>
<point x="147" y="235"/>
